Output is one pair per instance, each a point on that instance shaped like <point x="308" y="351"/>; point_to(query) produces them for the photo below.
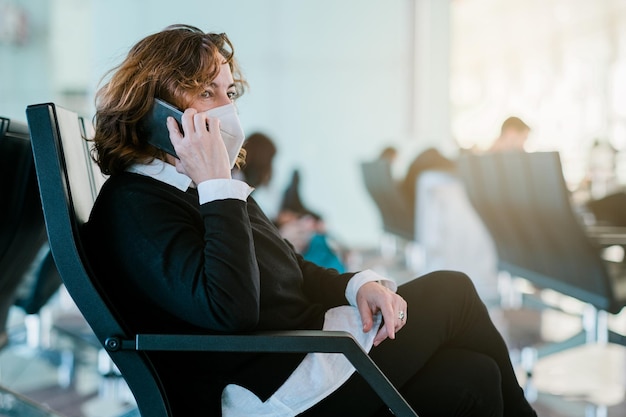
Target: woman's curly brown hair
<point x="168" y="65"/>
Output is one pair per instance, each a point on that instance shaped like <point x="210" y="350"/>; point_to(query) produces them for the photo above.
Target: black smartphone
<point x="153" y="125"/>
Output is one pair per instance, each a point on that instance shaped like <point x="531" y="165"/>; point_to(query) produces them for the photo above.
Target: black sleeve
<point x="323" y="285"/>
<point x="203" y="271"/>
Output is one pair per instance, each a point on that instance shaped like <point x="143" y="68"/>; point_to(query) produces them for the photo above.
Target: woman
<point x="184" y="249"/>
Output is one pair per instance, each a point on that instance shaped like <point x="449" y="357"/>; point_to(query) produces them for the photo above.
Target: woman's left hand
<point x="372" y="298"/>
<point x="200" y="147"/>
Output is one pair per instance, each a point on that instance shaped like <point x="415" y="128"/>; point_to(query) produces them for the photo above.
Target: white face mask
<point x="230" y="128"/>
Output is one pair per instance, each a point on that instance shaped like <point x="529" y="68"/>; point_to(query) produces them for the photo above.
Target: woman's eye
<point x="232" y="95"/>
<point x="206" y="94"/>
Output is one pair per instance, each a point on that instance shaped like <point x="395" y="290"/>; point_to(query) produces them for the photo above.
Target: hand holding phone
<point x="201" y="152"/>
<point x="154" y="128"/>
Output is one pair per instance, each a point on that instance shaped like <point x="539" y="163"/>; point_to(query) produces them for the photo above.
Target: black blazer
<point x="172" y="265"/>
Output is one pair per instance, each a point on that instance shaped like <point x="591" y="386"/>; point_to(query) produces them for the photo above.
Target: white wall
<point x="333" y="82"/>
<point x="328" y="82"/>
<point x="53" y="61"/>
<point x="559" y="65"/>
<point x="22" y="80"/>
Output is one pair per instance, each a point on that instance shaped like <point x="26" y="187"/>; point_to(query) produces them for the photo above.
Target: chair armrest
<point x="295" y="341"/>
<point x="607" y="235"/>
<point x="601" y="229"/>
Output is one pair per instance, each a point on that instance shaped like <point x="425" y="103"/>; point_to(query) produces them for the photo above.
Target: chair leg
<point x="602" y="327"/>
<point x="596" y="411"/>
<point x="595" y="325"/>
<point x="414" y="257"/>
<point x="66" y="374"/>
<point x="112" y="384"/>
<point x="590" y="323"/>
<point x="510" y="297"/>
<point x="32" y="324"/>
<point x="531" y="354"/>
<point x="595" y="332"/>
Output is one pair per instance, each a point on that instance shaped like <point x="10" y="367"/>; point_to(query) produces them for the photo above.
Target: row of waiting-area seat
<point x="540" y="236"/>
<point x="533" y="231"/>
<point x="58" y="336"/>
<point x="441" y="230"/>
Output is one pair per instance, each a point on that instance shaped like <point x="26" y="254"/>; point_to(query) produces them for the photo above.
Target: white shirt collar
<point x="164" y="172"/>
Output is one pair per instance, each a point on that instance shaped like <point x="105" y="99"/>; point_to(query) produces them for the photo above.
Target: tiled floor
<point x="585" y="381"/>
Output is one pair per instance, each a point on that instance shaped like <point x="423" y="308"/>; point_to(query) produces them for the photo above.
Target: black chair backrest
<point x="524" y="202"/>
<point x="396" y="214"/>
<point x="22" y="231"/>
<point x="68" y="191"/>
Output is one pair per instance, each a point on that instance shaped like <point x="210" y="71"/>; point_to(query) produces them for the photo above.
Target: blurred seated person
<point x="513" y="136"/>
<point x="306" y="230"/>
<point x="260" y="152"/>
<point x="429" y="160"/>
<point x="303" y="228"/>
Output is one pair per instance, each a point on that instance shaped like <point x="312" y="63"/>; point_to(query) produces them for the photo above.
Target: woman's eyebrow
<point x="215" y="85"/>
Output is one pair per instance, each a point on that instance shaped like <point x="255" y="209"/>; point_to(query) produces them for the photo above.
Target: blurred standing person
<point x="429" y="160"/>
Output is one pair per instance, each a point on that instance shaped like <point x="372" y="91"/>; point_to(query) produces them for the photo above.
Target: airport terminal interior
<point x="401" y="136"/>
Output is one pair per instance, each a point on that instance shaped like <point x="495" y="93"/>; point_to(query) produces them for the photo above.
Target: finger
<point x="180" y="168"/>
<point x="401" y="307"/>
<point x="381" y="335"/>
<point x="200" y="122"/>
<point x="172" y="127"/>
<point x="390" y="316"/>
<point x="367" y="317"/>
<point x="187" y="121"/>
<point x="406" y="312"/>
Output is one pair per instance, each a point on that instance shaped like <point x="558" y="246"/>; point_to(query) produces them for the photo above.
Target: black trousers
<point x="448" y="360"/>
